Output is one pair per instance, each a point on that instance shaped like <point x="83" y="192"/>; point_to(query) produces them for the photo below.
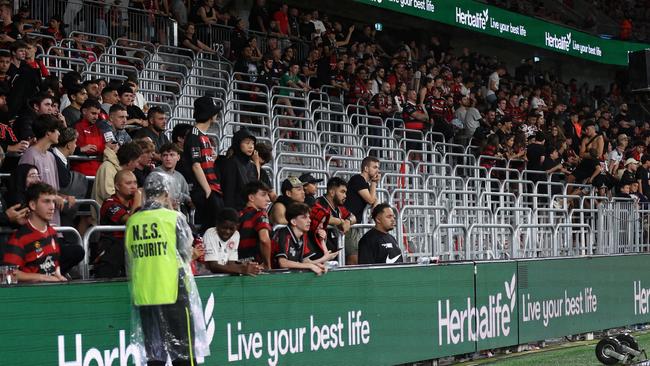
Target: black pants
<point x="169" y="330"/>
<point x="71" y="255"/>
<point x="206" y="209"/>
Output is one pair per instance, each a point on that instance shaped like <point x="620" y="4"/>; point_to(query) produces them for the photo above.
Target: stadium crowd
<point x="55" y="134"/>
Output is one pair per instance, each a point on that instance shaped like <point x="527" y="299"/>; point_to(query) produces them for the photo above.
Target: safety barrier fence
<point x="111" y="18"/>
<point x="426" y="231"/>
<point x="353" y="316"/>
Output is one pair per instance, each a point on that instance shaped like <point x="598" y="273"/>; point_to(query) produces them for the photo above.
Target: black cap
<point x="205" y="108"/>
<point x="308" y="178"/>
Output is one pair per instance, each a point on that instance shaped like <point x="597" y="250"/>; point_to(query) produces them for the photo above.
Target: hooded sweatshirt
<point x="236" y="171"/>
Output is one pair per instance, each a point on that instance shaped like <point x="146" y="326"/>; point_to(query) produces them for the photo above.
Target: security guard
<point x="167" y="309"/>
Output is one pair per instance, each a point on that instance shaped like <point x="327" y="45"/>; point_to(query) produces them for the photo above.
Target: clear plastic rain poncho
<point x="155" y="328"/>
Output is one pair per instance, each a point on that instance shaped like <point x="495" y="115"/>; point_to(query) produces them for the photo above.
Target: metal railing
<point x="109" y="19"/>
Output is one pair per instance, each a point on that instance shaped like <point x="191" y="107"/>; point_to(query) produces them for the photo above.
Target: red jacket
<point x="89" y="134"/>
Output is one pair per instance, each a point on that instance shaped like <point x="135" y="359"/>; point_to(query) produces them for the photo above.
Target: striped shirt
<point x="33" y="251"/>
<point x="198" y="148"/>
<point x="251" y="222"/>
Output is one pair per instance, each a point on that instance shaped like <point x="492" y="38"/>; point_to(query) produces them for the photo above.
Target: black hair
<point x="124" y="89"/>
<point x="253" y="187"/>
<point x="379" y="209"/>
<point x="74" y="89"/>
<point x="91" y="103"/>
<point x="153" y="111"/>
<point x="107" y="89"/>
<point x="38" y="99"/>
<point x="128" y="152"/>
<point x="43" y="124"/>
<point x="34" y="191"/>
<point x="335" y="183"/>
<point x="226" y="214"/>
<point x="180" y="131"/>
<point x="294" y="210"/>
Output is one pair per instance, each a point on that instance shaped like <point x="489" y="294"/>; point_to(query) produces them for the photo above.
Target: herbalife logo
<point x="472" y="323"/>
<point x="475" y="20"/>
<point x="561" y="43"/>
<point x="123" y="353"/>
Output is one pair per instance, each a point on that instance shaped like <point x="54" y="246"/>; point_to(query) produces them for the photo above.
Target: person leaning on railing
<point x="295" y="246"/>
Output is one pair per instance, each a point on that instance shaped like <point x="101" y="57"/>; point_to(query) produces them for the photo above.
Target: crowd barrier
<point x="352" y="316"/>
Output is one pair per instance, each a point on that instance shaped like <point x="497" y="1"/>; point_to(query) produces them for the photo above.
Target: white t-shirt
<point x="494" y="79"/>
<point x="217" y="250"/>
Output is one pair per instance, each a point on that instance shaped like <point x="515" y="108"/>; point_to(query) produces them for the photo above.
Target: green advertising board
<point x="580" y="295"/>
<point x="494" y="21"/>
<point x="364" y="316"/>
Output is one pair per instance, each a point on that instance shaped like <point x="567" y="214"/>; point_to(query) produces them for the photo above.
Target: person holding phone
<point x="294" y="246"/>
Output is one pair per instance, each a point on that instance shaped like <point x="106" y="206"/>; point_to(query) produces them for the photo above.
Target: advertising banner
<point x="363" y="316"/>
<point x="570" y="296"/>
<point x="494" y="21"/>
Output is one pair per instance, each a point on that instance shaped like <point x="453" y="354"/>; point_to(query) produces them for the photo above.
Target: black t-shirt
<point x="354" y="202"/>
<point x="534" y="154"/>
<point x="258" y="11"/>
<point x="377" y="247"/>
<point x="644" y="175"/>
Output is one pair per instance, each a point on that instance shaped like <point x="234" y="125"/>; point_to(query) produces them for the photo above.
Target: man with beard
<point x="156" y="129"/>
<point x="377" y="246"/>
<point x="108" y="257"/>
<point x="91" y="140"/>
<point x="329" y="210"/>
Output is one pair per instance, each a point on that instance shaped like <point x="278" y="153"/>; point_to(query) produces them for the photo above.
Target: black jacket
<point x="235" y="171"/>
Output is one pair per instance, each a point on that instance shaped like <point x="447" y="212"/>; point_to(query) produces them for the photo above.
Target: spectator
<point x="38" y="106"/>
<point x="493" y="84"/>
<point x="310" y="188"/>
<point x="222" y="245"/>
<point x="135" y="115"/>
<point x="91" y="140"/>
<point x="72" y="183"/>
<point x="92" y="89"/>
<point x="629" y="173"/>
<point x="157" y="124"/>
<point x="170" y="154"/>
<point x="192" y="42"/>
<point x="263" y="157"/>
<point x="254" y="226"/>
<point x="362" y="191"/>
<point x="179" y="132"/>
<point x="293" y="245"/>
<point x="69" y="80"/>
<point x="377" y="246"/>
<point x="292" y="190"/>
<point x="108" y="257"/>
<point x="145" y="164"/>
<point x="587" y="170"/>
<point x="199" y="163"/>
<point x="643" y="176"/>
<point x="126" y="159"/>
<point x="78" y="96"/>
<point x="617" y="155"/>
<point x="259" y="17"/>
<point x="329" y="210"/>
<point x="138" y="98"/>
<point x="415" y="118"/>
<point x="33" y="247"/>
<point x="238" y="168"/>
<point x="115" y="129"/>
<point x="47" y="134"/>
<point x="381" y="104"/>
<point x="24" y="175"/>
<point x="109" y="98"/>
<point x="282" y="18"/>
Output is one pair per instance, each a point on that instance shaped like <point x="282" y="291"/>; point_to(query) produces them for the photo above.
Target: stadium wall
<point x="358" y="316"/>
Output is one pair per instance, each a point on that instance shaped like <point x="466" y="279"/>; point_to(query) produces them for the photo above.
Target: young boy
<point x="254" y="226"/>
<point x="221" y="245"/>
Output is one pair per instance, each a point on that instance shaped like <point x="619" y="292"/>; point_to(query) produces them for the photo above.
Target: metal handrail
<point x="85" y="272"/>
